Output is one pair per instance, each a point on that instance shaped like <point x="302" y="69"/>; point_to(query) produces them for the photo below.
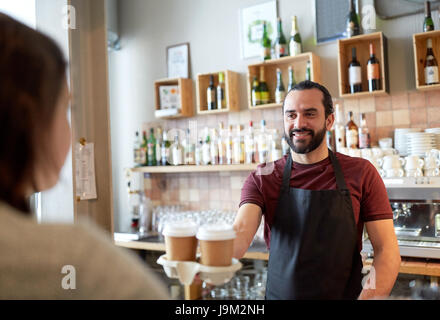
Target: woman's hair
<point x="32" y="70"/>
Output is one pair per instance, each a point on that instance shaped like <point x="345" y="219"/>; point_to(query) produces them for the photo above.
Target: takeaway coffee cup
<point x="181" y="241"/>
<point x="216" y="244"/>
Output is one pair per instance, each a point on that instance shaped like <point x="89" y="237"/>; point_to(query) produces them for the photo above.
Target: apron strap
<point x="340" y="181"/>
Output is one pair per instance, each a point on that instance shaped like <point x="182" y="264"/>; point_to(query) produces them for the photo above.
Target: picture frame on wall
<point x="178" y="61"/>
<point x="251" y="27"/>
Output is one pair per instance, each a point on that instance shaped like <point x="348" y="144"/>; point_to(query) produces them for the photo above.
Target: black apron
<point x="313" y="243"/>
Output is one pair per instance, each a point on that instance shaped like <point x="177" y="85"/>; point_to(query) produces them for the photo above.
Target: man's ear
<point x="329" y="121"/>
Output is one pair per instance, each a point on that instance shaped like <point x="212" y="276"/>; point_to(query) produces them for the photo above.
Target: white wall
<point x="211" y="27"/>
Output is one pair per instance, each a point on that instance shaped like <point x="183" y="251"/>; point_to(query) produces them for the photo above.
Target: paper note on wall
<point x="85" y="171"/>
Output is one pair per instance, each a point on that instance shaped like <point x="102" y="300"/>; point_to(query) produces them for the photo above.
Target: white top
<point x="38" y="259"/>
<point x="216" y="232"/>
<point x="180" y="229"/>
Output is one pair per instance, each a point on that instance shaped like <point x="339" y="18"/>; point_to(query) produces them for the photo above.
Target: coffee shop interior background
<point x="147" y="28"/>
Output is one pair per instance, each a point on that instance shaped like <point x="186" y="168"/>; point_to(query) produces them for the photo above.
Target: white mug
<point x="392" y="162"/>
<point x="393" y="173"/>
<point x="413" y="162"/>
<point x="414" y="173"/>
<point x="432" y="172"/>
<point x="431" y="163"/>
<point x="377" y="152"/>
<point x="389" y="151"/>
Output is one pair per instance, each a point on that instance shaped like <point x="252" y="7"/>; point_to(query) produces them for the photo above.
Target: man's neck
<point x="315" y="156"/>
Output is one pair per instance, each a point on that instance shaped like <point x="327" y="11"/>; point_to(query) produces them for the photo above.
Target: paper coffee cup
<point x="216" y="244"/>
<point x="180" y="241"/>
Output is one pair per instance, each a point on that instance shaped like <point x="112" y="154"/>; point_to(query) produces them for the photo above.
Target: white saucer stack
<point x="400" y="139"/>
<point x="418" y="143"/>
<point x="435" y="131"/>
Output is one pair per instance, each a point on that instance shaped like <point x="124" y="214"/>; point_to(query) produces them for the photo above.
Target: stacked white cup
<point x="413" y="166"/>
<point x="432" y="163"/>
<point x="392" y="166"/>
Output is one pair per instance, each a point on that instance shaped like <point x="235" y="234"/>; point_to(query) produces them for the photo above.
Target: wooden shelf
<point x="194" y="168"/>
<point x="362" y="43"/>
<point x="299" y="64"/>
<point x="231" y="92"/>
<point x="185" y="87"/>
<point x="419" y="45"/>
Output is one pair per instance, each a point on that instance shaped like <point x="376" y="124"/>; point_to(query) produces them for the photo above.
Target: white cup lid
<point x="213" y="232"/>
<point x="180" y="229"/>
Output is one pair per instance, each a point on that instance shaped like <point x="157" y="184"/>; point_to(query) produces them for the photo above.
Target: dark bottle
<point x="292" y="81"/>
<point x="354" y="73"/>
<point x="280" y="42"/>
<point x="151" y="149"/>
<point x="211" y="94"/>
<point x="265" y="44"/>
<point x="264" y="89"/>
<point x="431" y="65"/>
<point x="352" y="21"/>
<point x="255" y="92"/>
<point x="373" y="71"/>
<point x="428" y="24"/>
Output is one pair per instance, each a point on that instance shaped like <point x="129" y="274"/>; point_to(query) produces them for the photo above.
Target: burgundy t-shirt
<point x="368" y="194"/>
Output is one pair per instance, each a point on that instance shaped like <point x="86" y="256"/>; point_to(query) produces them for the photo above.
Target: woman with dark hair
<point x="48" y="261"/>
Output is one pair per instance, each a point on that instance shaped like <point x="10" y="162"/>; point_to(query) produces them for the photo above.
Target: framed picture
<point x="251" y="27"/>
<point x="178" y="61"/>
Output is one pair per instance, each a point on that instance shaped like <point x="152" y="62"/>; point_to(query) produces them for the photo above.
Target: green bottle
<point x="352" y="21"/>
<point x="295" y="44"/>
<point x="265" y="44"/>
<point x="144" y="148"/>
<point x="428" y="24"/>
<point x="280" y="42"/>
<point x="308" y="74"/>
<point x="151" y="145"/>
<point x="280" y="92"/>
<point x="264" y="89"/>
<point x="256" y="97"/>
<point x="292" y="81"/>
<point x="221" y="99"/>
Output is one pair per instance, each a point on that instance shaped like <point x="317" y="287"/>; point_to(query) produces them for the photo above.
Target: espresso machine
<point x="416" y="213"/>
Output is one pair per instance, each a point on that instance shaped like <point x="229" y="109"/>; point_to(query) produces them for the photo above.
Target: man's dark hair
<point x="307" y="85"/>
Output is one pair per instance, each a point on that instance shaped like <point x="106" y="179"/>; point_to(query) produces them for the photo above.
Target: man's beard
<point x="302" y="147"/>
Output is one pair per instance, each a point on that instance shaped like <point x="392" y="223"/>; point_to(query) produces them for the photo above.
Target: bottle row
<point x="210" y="146"/>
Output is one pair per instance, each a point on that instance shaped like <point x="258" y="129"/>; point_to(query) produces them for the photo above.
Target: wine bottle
<point x="280" y="42"/>
<point x="428" y="24"/>
<point x="265" y="44"/>
<point x="264" y="90"/>
<point x="210" y="94"/>
<point x="351" y="132"/>
<point x="431" y="65"/>
<point x="364" y="134"/>
<point x="165" y="149"/>
<point x="295" y="44"/>
<point x="292" y="81"/>
<point x="137" y="149"/>
<point x="255" y="93"/>
<point x="373" y="73"/>
<point x="158" y="136"/>
<point x="221" y="101"/>
<point x="352" y="21"/>
<point x="280" y="92"/>
<point x="144" y="149"/>
<point x="151" y="145"/>
<point x="354" y="73"/>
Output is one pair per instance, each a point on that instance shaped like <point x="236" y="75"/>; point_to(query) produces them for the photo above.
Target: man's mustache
<point x="293" y="131"/>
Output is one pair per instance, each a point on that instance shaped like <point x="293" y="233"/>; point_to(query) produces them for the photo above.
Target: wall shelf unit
<point x="185" y="87"/>
<point x="419" y="45"/>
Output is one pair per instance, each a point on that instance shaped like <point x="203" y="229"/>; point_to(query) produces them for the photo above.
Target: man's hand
<point x="246" y="224"/>
<point x="386" y="261"/>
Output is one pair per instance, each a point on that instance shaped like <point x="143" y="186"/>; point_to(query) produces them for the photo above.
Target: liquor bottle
<point x="280" y="92"/>
<point x="221" y="145"/>
<point x="165" y="150"/>
<point x="364" y="134"/>
<point x="210" y="94"/>
<point x="199" y="152"/>
<point x="280" y="42"/>
<point x="351" y="133"/>
<point x="428" y="24"/>
<point x="221" y="99"/>
<point x="373" y="73"/>
<point x="189" y="149"/>
<point x="144" y="149"/>
<point x="238" y="147"/>
<point x="206" y="148"/>
<point x="264" y="90"/>
<point x="275" y="146"/>
<point x="308" y="74"/>
<point x="352" y="21"/>
<point x="158" y="136"/>
<point x="214" y="147"/>
<point x="295" y="45"/>
<point x="228" y="143"/>
<point x="339" y="129"/>
<point x="284" y="145"/>
<point x="137" y="149"/>
<point x="255" y="93"/>
<point x="265" y="44"/>
<point x="292" y="81"/>
<point x="177" y="151"/>
<point x="354" y="73"/>
<point x="151" y="149"/>
<point x="249" y="145"/>
<point x="262" y="144"/>
<point x="431" y="65"/>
